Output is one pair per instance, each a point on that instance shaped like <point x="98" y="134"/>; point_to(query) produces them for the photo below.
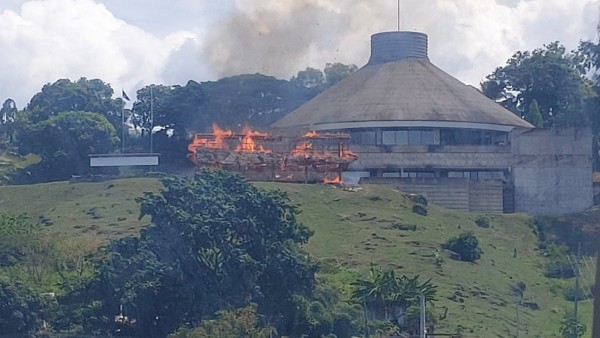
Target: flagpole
<point x="122" y="123"/>
<point x="151" y="118"/>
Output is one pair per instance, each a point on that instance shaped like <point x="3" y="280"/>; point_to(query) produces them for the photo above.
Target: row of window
<point x="473" y="175"/>
<point x="393" y="137"/>
<point x="446" y="136"/>
<point x="353" y="177"/>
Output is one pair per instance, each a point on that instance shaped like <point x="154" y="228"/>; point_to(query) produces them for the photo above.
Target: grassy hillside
<point x="352" y="231"/>
<point x="10" y="161"/>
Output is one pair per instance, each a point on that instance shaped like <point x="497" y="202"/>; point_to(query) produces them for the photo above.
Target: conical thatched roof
<point x="409" y="92"/>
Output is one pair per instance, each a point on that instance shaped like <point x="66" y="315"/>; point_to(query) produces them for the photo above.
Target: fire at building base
<point x="313" y="157"/>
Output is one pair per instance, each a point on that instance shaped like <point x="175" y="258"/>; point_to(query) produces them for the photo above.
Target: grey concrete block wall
<point x="371" y="158"/>
<point x="460" y="194"/>
<point x="552" y="171"/>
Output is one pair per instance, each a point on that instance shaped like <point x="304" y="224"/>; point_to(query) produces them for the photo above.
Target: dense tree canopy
<point x="64" y="142"/>
<point x="319" y="80"/>
<point x="216" y="242"/>
<point x="546" y="79"/>
<point x="64" y="95"/>
<point x="19" y="310"/>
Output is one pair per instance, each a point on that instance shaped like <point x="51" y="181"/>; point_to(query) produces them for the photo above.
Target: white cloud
<point x="136" y="42"/>
<point x="47" y="40"/>
<point x="468" y="38"/>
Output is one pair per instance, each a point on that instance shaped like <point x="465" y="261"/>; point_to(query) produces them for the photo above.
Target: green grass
<point x="353" y="230"/>
<point x="105" y="209"/>
<point x="10" y="161"/>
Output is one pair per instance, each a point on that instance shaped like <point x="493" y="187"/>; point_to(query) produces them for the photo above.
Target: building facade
<point x="416" y="127"/>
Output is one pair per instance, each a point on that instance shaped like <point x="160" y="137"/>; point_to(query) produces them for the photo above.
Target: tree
<point x="466" y="245"/>
<point x="83" y="95"/>
<point x="389" y="296"/>
<point x="8" y="115"/>
<point x="550" y="76"/>
<point x="335" y="72"/>
<point x="64" y="143"/>
<point x="19" y="310"/>
<point x="572" y="328"/>
<point x="533" y="114"/>
<point x="309" y="78"/>
<point x="216" y="243"/>
<point x="229" y="323"/>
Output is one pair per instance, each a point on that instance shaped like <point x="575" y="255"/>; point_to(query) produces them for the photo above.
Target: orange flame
<point x="302" y="149"/>
<point x="348" y="153"/>
<point x="248" y="144"/>
<point x="219" y="134"/>
<point x="335" y="180"/>
<point x="311" y="133"/>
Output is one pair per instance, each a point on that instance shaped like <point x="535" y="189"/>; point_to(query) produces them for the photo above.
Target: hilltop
<point x="352" y="230"/>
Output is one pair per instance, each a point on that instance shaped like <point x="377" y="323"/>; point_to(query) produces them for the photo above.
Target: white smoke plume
<point x="132" y="43"/>
<point x="468" y="38"/>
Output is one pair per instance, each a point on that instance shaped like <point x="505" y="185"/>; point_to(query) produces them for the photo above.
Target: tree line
<point x="68" y="120"/>
<point x="221" y="258"/>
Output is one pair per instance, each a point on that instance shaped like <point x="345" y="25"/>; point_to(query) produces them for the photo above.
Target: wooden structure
<point x="259" y="156"/>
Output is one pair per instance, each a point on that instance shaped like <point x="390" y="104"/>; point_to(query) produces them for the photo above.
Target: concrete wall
<point x="423" y="156"/>
<point x="452" y="193"/>
<point x="552" y="171"/>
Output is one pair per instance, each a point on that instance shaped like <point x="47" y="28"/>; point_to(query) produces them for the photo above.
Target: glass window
<point x="401" y="137"/>
<point x="427" y="137"/>
<point x="388" y="137"/>
<point x="362" y="137"/>
<point x="369" y="137"/>
<point x="485" y="175"/>
<point x="455" y="174"/>
<point x="414" y="137"/>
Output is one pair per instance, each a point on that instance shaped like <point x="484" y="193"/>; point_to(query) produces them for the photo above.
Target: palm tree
<point x="387" y="295"/>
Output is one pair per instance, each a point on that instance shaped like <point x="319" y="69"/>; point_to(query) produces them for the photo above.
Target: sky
<point x="132" y="43"/>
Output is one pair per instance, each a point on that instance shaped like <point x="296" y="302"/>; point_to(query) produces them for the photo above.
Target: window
<point x="427" y="137"/>
<point x="388" y="137"/>
<point x="414" y="137"/>
<point x="395" y="137"/>
<point x="363" y="137"/>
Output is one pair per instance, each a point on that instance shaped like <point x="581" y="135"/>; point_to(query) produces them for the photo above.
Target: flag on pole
<point x="125" y="97"/>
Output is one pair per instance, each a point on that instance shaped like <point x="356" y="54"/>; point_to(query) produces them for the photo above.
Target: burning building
<point x="416" y="127"/>
<point x="257" y="155"/>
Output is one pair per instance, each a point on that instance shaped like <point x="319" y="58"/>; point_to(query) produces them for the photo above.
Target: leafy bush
<point x="483" y="221"/>
<point x="571" y="327"/>
<point x="572" y="293"/>
<point x="558" y="265"/>
<point x="466" y="245"/>
<point x="229" y="323"/>
<point x="419" y="199"/>
<point x="420" y="209"/>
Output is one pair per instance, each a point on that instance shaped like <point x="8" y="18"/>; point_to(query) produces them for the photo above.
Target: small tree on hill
<point x="389" y="297"/>
<point x="571" y="327"/>
<point x="466" y="245"/>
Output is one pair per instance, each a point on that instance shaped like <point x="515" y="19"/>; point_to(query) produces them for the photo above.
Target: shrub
<point x="466" y="245"/>
<point x="558" y="265"/>
<point x="572" y="293"/>
<point x="419" y="199"/>
<point x="419" y="209"/>
<point x="483" y="221"/>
